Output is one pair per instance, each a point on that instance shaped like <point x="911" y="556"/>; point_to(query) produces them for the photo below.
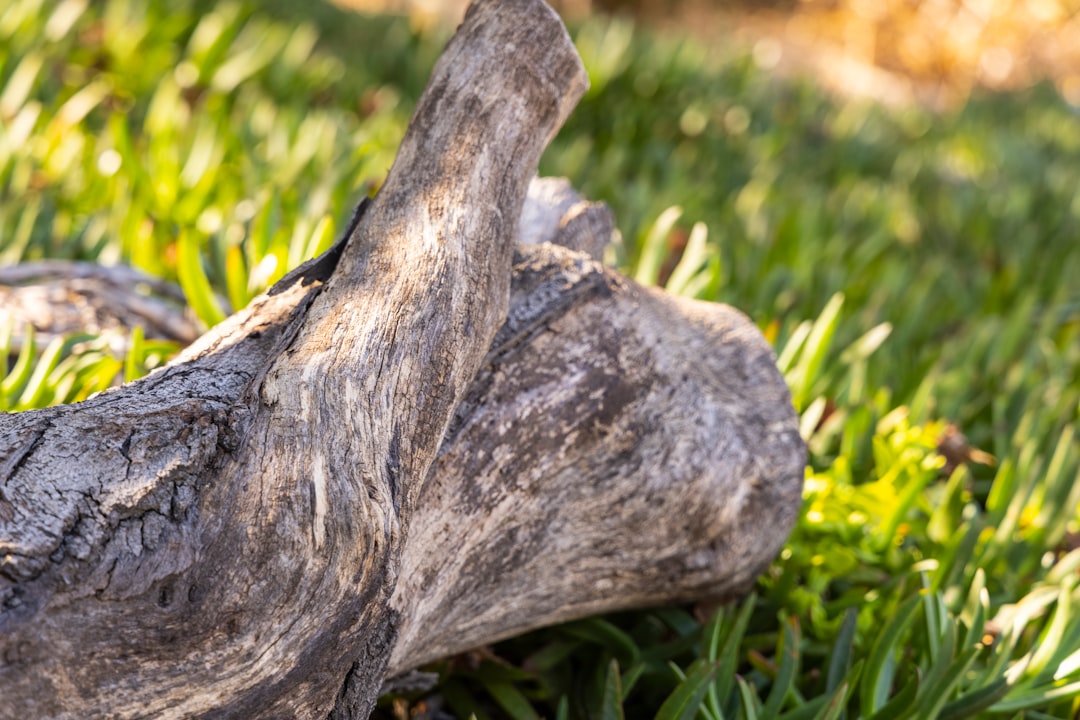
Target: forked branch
<point x="374" y="464"/>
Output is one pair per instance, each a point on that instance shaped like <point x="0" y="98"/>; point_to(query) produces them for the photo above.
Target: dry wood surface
<point x="423" y="440"/>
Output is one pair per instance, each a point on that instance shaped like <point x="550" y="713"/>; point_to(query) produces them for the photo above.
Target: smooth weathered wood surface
<point x="621" y="448"/>
<point x="374" y="464"/>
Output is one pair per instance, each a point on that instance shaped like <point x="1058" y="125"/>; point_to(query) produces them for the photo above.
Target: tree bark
<point x="374" y="464"/>
<point x="59" y="298"/>
<point x="620" y="448"/>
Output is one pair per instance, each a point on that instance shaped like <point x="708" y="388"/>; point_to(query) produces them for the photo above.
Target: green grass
<point x="913" y="270"/>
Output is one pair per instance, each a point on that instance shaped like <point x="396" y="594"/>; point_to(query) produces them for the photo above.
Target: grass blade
<point x="900" y="705"/>
<point x="751" y="706"/>
<point x="840" y="657"/>
<point x="789" y="668"/>
<point x="194" y="282"/>
<point x="976" y="701"/>
<point x="686" y="700"/>
<point x="802" y="377"/>
<point x="694" y="257"/>
<point x="611" y="703"/>
<point x="877" y="678"/>
<point x="13" y="384"/>
<point x="654" y="249"/>
<point x="511" y="700"/>
<point x="606" y="635"/>
<point x="834" y="708"/>
<point x="728" y="658"/>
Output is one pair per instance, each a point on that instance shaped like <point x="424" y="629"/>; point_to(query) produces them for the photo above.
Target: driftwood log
<point x="57" y="298"/>
<point x="427" y="439"/>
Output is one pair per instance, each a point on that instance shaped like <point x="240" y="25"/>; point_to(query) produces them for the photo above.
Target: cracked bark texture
<point x="375" y="463"/>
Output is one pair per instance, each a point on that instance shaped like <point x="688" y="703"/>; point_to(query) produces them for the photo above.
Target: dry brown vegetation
<point x="897" y="51"/>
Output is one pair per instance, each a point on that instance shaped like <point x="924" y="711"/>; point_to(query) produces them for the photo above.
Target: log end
<point x="626" y="449"/>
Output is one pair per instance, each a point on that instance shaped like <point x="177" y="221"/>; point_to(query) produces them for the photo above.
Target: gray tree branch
<point x="374" y="464"/>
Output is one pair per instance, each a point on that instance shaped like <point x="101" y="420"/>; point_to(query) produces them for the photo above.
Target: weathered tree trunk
<point x="361" y="471"/>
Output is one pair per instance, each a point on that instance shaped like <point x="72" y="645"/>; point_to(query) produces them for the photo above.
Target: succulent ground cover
<point x="916" y="273"/>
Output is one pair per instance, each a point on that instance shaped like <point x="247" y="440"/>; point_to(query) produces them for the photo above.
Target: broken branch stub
<point x="361" y="471"/>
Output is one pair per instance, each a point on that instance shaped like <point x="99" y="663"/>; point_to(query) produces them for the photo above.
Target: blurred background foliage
<point x="914" y="263"/>
<point x="935" y="51"/>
